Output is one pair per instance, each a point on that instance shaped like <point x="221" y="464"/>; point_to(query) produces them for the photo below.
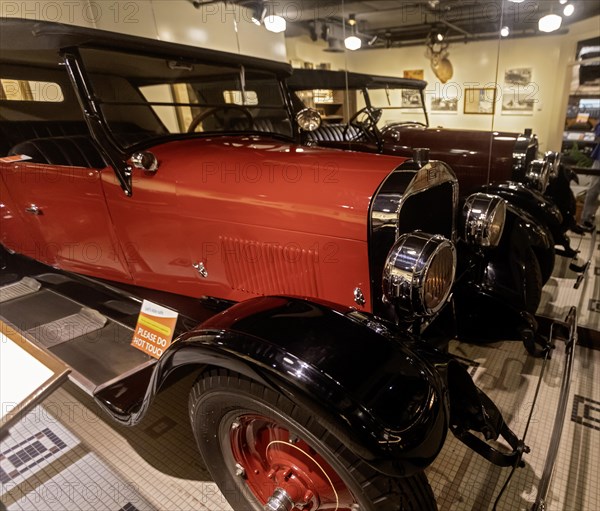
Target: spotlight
<point x="275" y="23"/>
<point x="373" y="40"/>
<point x="352" y="43"/>
<point x="312" y="30"/>
<point x="504" y="31"/>
<point x="569" y="9"/>
<point x="549" y="23"/>
<point x="258" y="13"/>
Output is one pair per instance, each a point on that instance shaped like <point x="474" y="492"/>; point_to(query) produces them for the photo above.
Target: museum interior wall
<point x="475" y="65"/>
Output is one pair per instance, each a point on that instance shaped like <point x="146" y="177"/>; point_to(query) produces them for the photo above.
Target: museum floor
<point x="66" y="456"/>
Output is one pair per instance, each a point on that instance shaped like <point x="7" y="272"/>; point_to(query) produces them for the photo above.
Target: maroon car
<point x="373" y="118"/>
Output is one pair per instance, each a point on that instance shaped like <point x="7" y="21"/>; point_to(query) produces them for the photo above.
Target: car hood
<point x="257" y="180"/>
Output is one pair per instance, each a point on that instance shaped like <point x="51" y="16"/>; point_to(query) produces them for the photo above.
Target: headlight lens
<point x="419" y="273"/>
<point x="484" y="219"/>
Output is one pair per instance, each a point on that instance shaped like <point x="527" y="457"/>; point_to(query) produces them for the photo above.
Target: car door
<point x="67" y="217"/>
<point x="148" y="225"/>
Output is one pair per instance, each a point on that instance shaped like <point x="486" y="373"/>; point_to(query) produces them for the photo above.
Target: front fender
<point x="353" y="372"/>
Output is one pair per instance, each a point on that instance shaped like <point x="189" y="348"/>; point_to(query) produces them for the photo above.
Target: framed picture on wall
<point x="442" y="105"/>
<point x="411" y="99"/>
<point x="480" y="101"/>
<point x="518" y="76"/>
<point x="415" y="74"/>
<point x="517" y="104"/>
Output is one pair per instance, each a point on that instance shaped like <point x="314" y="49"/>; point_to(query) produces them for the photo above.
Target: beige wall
<point x="220" y="26"/>
<point x="475" y="65"/>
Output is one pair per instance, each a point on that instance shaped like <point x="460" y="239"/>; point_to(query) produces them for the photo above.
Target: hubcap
<point x="283" y="471"/>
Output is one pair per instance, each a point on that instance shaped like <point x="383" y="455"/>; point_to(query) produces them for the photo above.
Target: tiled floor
<point x="67" y="455"/>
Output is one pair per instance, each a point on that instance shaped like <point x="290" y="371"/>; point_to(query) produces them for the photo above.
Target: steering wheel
<point x="199" y="118"/>
<point x="365" y="120"/>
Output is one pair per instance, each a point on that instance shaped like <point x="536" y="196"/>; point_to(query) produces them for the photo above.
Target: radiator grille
<point x="270" y="268"/>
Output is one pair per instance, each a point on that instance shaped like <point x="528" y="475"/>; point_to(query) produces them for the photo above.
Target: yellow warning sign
<point x="154" y="330"/>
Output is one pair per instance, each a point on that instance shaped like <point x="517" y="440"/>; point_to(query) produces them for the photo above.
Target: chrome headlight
<point x="553" y="159"/>
<point x="484" y="219"/>
<point x="538" y="174"/>
<point x="419" y="273"/>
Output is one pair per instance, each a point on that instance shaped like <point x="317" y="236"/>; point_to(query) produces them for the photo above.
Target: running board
<point x="23" y="287"/>
<point x="84" y="322"/>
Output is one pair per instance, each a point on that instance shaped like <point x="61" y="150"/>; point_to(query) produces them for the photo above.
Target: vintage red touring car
<point x="312" y="284"/>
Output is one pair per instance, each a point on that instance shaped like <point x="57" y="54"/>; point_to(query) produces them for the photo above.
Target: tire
<point x="249" y="435"/>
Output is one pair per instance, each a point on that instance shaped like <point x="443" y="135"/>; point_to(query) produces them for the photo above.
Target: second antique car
<point x="312" y="284"/>
<point x="388" y="115"/>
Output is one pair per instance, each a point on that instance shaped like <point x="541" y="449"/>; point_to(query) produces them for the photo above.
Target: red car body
<point x="232" y="213"/>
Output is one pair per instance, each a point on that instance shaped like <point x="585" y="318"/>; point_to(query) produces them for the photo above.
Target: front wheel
<point x="266" y="452"/>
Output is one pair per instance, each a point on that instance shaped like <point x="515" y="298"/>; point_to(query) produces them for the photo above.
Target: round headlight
<point x="308" y="119"/>
<point x="484" y="219"/>
<point x="419" y="273"/>
<point x="538" y="174"/>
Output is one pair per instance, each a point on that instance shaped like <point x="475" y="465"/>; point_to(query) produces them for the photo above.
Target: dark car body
<point x="481" y="159"/>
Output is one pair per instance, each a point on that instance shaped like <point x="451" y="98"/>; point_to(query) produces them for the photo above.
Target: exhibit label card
<point x="154" y="330"/>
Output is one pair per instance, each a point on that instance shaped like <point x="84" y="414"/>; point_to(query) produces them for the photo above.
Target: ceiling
<point x="412" y="22"/>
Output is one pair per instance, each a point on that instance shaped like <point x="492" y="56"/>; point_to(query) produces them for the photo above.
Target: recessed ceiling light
<point x="562" y="2"/>
<point x="516" y="1"/>
<point x="504" y="31"/>
<point x="549" y="23"/>
<point x="569" y="9"/>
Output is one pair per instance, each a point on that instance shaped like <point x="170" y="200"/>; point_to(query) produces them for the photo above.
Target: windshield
<point x="145" y="97"/>
<point x="397" y="105"/>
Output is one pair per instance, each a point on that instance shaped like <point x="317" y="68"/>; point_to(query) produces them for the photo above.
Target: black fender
<point x="386" y="401"/>
<point x="498" y="272"/>
<point x="545" y="212"/>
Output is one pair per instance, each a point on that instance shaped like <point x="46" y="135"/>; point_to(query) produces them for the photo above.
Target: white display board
<point x="27" y="375"/>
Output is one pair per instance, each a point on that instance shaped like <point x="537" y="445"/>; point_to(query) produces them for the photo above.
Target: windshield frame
<point x="117" y="154"/>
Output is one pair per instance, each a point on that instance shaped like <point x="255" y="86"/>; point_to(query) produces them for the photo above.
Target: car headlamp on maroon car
<point x="485" y="216"/>
<point x="419" y="273"/>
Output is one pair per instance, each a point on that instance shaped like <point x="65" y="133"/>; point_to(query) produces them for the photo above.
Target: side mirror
<point x="308" y="119"/>
<point x="144" y="160"/>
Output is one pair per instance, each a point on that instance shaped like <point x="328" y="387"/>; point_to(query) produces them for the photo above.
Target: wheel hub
<point x="283" y="471"/>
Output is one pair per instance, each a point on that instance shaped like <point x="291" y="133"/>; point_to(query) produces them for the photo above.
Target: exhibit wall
<point x="481" y="64"/>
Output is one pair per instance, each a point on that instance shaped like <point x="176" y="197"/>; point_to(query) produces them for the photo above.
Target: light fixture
<point x="549" y="23"/>
<point x="562" y="2"/>
<point x="516" y="1"/>
<point x="325" y="31"/>
<point x="439" y="36"/>
<point x="258" y="13"/>
<point x="275" y="23"/>
<point x="504" y="31"/>
<point x="373" y="40"/>
<point x="352" y="42"/>
<point x="569" y="9"/>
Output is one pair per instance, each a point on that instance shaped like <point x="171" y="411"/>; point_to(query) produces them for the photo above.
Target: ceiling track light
<point x="504" y="31"/>
<point x="569" y="9"/>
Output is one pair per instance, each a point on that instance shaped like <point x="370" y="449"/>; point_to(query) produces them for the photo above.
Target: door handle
<point x="34" y="210"/>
